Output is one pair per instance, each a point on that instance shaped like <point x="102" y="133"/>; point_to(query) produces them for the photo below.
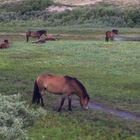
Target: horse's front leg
<point x="38" y="37"/>
<point x="69" y="103"/>
<point x="62" y="102"/>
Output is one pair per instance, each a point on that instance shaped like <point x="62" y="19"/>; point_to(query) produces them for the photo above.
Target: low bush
<point x="15" y="117"/>
<point x="26" y="6"/>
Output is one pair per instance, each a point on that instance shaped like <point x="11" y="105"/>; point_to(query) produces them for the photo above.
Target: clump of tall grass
<point x="15" y="117"/>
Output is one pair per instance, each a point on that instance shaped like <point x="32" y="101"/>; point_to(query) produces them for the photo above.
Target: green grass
<point x="109" y="71"/>
<point x="84" y="29"/>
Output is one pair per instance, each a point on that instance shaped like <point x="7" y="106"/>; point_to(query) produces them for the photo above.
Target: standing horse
<point x="4" y="44"/>
<point x="59" y="85"/>
<point x="110" y="35"/>
<point x="35" y="34"/>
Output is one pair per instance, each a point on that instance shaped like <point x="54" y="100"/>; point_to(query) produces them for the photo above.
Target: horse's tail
<point x="36" y="93"/>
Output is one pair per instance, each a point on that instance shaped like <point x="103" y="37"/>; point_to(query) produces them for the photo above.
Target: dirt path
<point x="119" y="113"/>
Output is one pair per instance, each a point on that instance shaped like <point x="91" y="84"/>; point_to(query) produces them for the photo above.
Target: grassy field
<point x="109" y="71"/>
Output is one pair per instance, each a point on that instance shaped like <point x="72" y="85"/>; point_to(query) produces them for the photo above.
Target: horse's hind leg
<point x="69" y="103"/>
<point x="42" y="103"/>
<point x="42" y="92"/>
<point x="62" y="102"/>
<point x="38" y="100"/>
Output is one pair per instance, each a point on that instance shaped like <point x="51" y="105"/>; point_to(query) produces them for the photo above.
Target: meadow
<point x="109" y="71"/>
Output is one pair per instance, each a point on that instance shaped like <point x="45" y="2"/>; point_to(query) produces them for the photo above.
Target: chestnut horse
<point x="59" y="85"/>
<point x="110" y="35"/>
<point x="4" y="44"/>
<point x="50" y="38"/>
<point x="35" y="34"/>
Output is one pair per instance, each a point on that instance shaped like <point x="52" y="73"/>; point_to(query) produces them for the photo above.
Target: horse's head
<point x="84" y="102"/>
<point x="115" y="31"/>
<point x="6" y="41"/>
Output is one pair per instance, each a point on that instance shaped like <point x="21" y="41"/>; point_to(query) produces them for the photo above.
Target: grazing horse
<point x="110" y="35"/>
<point x="59" y="85"/>
<point x="35" y="34"/>
<point x="4" y="44"/>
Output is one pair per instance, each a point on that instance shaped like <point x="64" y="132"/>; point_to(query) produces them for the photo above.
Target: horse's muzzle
<point x="86" y="107"/>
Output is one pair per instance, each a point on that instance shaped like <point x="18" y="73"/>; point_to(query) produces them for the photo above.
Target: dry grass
<point x="86" y="2"/>
<point x="123" y="2"/>
<point x="10" y="0"/>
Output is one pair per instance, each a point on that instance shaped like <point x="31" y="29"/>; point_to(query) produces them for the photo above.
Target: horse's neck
<point x="79" y="92"/>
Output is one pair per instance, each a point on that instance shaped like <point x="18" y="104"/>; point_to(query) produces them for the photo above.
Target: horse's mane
<point x="42" y="31"/>
<point x="79" y="84"/>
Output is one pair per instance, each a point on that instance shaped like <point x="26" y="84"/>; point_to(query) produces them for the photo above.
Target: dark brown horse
<point x="59" y="85"/>
<point x="4" y="44"/>
<point x="110" y="35"/>
<point x="35" y="34"/>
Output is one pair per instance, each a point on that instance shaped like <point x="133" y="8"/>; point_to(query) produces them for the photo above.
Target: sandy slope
<point x="85" y="2"/>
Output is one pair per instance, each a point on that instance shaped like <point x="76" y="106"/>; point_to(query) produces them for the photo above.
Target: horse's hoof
<point x="59" y="110"/>
<point x="70" y="109"/>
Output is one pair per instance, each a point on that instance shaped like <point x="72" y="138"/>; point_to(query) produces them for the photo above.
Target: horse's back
<point x="57" y="84"/>
<point x="42" y="32"/>
<point x="52" y="83"/>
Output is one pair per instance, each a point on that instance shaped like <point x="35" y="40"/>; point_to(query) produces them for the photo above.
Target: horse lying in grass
<point x="50" y="38"/>
<point x="109" y="35"/>
<point x="44" y="38"/>
<point x="65" y="86"/>
<point x="35" y="34"/>
<point x="4" y="44"/>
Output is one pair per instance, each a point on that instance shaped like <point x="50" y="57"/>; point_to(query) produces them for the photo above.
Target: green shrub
<point x="99" y="16"/>
<point x="26" y="6"/>
<point x="15" y="117"/>
<point x="134" y="15"/>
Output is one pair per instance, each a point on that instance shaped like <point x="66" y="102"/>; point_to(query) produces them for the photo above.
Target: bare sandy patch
<point x="93" y="2"/>
<point x="53" y="9"/>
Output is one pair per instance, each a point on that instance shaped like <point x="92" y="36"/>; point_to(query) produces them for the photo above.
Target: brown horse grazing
<point x="110" y="35"/>
<point x="4" y="44"/>
<point x="35" y="34"/>
<point x="59" y="85"/>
